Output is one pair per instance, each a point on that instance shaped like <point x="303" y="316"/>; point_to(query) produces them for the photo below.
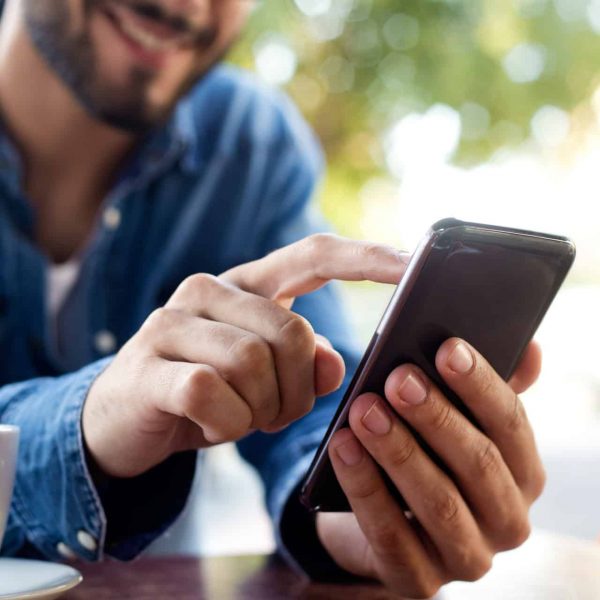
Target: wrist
<point x="301" y="539"/>
<point x="110" y="442"/>
<point x="91" y="429"/>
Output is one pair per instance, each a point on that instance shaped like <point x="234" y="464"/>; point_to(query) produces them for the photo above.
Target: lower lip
<point x="149" y="58"/>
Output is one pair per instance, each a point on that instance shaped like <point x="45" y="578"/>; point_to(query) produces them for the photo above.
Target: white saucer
<point x="31" y="579"/>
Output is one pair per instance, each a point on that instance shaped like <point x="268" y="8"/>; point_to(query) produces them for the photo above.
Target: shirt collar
<point x="175" y="142"/>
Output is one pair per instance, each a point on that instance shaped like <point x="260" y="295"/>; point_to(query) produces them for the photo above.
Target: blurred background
<point x="486" y="111"/>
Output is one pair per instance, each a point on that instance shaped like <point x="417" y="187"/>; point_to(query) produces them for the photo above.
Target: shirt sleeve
<point x="282" y="459"/>
<point x="58" y="511"/>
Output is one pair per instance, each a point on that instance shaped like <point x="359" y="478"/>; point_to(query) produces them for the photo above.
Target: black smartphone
<point x="488" y="285"/>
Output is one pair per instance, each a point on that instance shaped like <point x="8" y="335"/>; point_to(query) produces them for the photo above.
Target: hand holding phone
<point x="459" y="520"/>
<point x="488" y="285"/>
<point x="431" y="448"/>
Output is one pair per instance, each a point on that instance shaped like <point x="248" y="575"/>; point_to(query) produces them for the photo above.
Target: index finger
<point x="309" y="264"/>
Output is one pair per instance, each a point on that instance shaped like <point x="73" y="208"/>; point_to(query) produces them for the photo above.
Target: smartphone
<point x="488" y="285"/>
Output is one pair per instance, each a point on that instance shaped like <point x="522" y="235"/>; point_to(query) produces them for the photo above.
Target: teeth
<point x="146" y="39"/>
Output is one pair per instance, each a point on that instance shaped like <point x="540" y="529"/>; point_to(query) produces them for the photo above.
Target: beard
<point x="72" y="57"/>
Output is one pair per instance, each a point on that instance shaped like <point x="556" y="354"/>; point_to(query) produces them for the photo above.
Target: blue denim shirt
<point x="227" y="180"/>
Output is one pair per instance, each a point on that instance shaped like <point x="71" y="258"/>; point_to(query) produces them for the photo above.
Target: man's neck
<point x="69" y="159"/>
<point x="48" y="125"/>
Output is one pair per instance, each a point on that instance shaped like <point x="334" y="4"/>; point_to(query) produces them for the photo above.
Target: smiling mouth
<point x="148" y="33"/>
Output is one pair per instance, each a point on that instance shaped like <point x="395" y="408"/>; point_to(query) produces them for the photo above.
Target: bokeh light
<point x="487" y="111"/>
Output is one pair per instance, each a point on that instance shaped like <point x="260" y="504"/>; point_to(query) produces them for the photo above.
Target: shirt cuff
<point x="58" y="511"/>
<point x="140" y="509"/>
<point x="55" y="503"/>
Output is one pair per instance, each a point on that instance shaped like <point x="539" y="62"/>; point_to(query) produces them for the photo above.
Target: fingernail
<point x="376" y="419"/>
<point x="350" y="452"/>
<point x="460" y="359"/>
<point x="412" y="390"/>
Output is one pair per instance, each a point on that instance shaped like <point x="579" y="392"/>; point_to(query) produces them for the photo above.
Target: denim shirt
<point x="228" y="179"/>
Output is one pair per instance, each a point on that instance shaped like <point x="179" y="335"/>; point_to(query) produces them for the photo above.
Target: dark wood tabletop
<point x="222" y="578"/>
<point x="547" y="567"/>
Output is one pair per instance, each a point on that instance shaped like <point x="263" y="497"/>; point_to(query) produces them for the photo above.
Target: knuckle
<point x="303" y="408"/>
<point x="201" y="382"/>
<point x="469" y="561"/>
<point x="160" y="319"/>
<point x="423" y="588"/>
<point x="384" y="539"/>
<point x="516" y="532"/>
<point x="292" y="412"/>
<point x="252" y="354"/>
<point x="317" y="242"/>
<point x="362" y="488"/>
<point x="402" y="452"/>
<point x="516" y="416"/>
<point x="239" y="426"/>
<point x="216" y="436"/>
<point x="199" y="282"/>
<point x="370" y="250"/>
<point x="445" y="507"/>
<point x="227" y="433"/>
<point x="264" y="414"/>
<point x="488" y="458"/>
<point x="229" y="430"/>
<point x="289" y="415"/>
<point x="538" y="482"/>
<point x="198" y="393"/>
<point x="296" y="342"/>
<point x="297" y="334"/>
<point x="474" y="565"/>
<point x="444" y="417"/>
<point x="508" y="526"/>
<point x="521" y="531"/>
<point x="315" y="247"/>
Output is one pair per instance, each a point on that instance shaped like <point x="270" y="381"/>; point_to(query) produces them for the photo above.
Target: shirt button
<point x="87" y="541"/>
<point x="112" y="218"/>
<point x="65" y="551"/>
<point x="105" y="342"/>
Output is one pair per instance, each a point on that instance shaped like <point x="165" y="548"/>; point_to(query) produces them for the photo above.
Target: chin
<point x="137" y="120"/>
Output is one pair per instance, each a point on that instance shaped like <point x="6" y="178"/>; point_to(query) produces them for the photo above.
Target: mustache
<point x="182" y="24"/>
<point x="155" y="12"/>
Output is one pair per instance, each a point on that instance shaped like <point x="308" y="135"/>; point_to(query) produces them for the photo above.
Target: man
<point x="164" y="184"/>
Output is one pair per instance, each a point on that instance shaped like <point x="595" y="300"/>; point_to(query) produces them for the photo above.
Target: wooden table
<point x="546" y="567"/>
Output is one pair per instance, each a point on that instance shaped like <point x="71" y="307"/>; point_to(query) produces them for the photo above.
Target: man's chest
<point x="61" y="229"/>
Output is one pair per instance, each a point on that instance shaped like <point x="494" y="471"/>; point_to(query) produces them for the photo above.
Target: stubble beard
<point x="73" y="59"/>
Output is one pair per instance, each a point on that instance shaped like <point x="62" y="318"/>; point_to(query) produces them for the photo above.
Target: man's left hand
<point x="458" y="521"/>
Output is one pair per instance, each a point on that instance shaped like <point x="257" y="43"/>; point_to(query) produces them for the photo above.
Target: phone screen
<point x="490" y="286"/>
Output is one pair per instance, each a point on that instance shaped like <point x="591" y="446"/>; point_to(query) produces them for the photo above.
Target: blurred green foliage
<point x="364" y="64"/>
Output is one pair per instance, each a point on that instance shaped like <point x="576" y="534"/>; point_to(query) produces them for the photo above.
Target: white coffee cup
<point x="9" y="444"/>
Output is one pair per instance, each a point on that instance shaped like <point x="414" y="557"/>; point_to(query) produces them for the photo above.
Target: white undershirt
<point x="61" y="279"/>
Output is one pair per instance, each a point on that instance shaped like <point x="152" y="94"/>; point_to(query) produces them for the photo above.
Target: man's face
<point x="129" y="61"/>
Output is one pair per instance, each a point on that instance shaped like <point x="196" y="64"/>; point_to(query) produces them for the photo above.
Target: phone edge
<point x="374" y="347"/>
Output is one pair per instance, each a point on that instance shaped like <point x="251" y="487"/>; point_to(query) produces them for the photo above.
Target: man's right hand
<point x="225" y="356"/>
